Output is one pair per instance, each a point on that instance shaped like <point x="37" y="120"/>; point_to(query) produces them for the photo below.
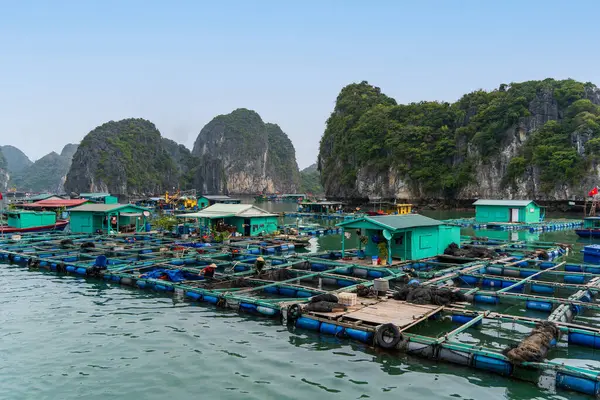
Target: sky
<point x="67" y="67"/>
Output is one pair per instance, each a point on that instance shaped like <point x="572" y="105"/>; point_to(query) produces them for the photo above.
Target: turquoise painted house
<point x="118" y="218"/>
<point x="516" y="211"/>
<point x="105" y="198"/>
<point x="247" y="219"/>
<point x="209" y="200"/>
<point x="403" y="237"/>
<point x="22" y="219"/>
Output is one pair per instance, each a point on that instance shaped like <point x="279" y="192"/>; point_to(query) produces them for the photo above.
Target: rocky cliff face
<point x="127" y="157"/>
<point x="4" y="175"/>
<point x="239" y="153"/>
<point x="538" y="139"/>
<point x="47" y="174"/>
<point x="16" y="160"/>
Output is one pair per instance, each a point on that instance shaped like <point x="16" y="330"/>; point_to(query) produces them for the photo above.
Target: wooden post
<point x="343" y="242"/>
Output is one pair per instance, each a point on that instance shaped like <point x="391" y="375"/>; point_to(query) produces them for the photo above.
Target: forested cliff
<point x="536" y="139"/>
<point x="234" y="153"/>
<point x="240" y="153"/>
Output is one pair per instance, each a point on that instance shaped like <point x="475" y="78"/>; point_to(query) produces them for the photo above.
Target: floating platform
<point x="545" y="226"/>
<point x="503" y="296"/>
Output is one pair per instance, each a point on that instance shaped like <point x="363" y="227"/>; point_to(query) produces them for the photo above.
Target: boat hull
<point x="587" y="233"/>
<point x="58" y="226"/>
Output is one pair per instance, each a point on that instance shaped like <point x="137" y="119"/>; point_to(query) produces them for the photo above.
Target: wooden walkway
<point x="372" y="312"/>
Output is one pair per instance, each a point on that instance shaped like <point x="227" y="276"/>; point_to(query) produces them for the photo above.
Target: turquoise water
<point x="68" y="338"/>
<point x="64" y="337"/>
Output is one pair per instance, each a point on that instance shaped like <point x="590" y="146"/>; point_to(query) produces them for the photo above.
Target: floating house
<point x="293" y="197"/>
<point x="247" y="219"/>
<point x="92" y="218"/>
<point x="103" y="198"/>
<point x="23" y="221"/>
<point x="513" y="211"/>
<point x="42" y="196"/>
<point x="404" y="237"/>
<point x="320" y="207"/>
<point x="52" y="204"/>
<point x="209" y="200"/>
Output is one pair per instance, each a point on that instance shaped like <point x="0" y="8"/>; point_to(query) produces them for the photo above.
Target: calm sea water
<point x="67" y="337"/>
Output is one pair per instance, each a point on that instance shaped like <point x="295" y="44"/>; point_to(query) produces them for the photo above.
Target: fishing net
<point x="328" y="297"/>
<point x="470" y="251"/>
<point x="535" y="346"/>
<point x="324" y="306"/>
<point x="417" y="294"/>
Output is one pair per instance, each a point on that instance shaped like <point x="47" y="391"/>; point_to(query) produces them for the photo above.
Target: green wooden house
<point x="104" y="198"/>
<point x="247" y="219"/>
<point x="320" y="207"/>
<point x="106" y="218"/>
<point x="42" y="196"/>
<point x="22" y="219"/>
<point x="404" y="237"/>
<point x="209" y="200"/>
<point x="523" y="211"/>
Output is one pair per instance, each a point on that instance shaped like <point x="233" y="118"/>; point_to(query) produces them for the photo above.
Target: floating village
<point x="413" y="284"/>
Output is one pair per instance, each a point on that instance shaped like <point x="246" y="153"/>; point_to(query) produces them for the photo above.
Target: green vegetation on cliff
<point x="242" y="154"/>
<point x="44" y="175"/>
<point x="436" y="147"/>
<point x="125" y="157"/>
<point x="310" y="180"/>
<point x="16" y="160"/>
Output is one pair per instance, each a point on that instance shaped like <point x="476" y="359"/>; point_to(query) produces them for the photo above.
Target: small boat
<point x="591" y="228"/>
<point x="21" y="221"/>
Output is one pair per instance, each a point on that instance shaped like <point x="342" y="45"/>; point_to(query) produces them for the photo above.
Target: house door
<point x="514" y="215"/>
<point x="247" y="227"/>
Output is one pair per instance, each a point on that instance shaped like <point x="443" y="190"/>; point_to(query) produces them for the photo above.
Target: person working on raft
<point x="209" y="272"/>
<point x="259" y="264"/>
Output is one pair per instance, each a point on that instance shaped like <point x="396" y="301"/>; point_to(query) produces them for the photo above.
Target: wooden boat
<point x="22" y="221"/>
<point x="60" y="225"/>
<point x="591" y="228"/>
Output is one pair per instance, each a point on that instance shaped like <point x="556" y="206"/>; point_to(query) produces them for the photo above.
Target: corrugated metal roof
<point x="507" y="203"/>
<point x="42" y="196"/>
<point x="397" y="222"/>
<point x="229" y="210"/>
<point x="56" y="203"/>
<point x="94" y="195"/>
<point x="217" y="197"/>
<point x="104" y="207"/>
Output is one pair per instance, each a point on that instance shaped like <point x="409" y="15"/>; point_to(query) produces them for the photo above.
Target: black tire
<point x="294" y="312"/>
<point x="30" y="262"/>
<point x="388" y="336"/>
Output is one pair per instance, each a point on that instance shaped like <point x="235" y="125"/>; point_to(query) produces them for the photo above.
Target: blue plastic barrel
<point x="308" y="323"/>
<point x="543" y="289"/>
<point x="492" y="364"/>
<point x="248" y="307"/>
<point x="463" y="319"/>
<point x="578" y="384"/>
<point x="287" y="292"/>
<point x="356" y="334"/>
<point x="193" y="295"/>
<point x="574" y="279"/>
<point x="331" y="329"/>
<point x="266" y="310"/>
<point x="583" y="339"/>
<point x="484" y="298"/>
<point x="210" y="299"/>
<point x="538" y="305"/>
<point x="303" y="293"/>
<point x="573" y="268"/>
<point x="271" y="289"/>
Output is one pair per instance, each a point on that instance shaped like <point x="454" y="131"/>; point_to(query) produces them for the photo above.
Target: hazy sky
<point x="68" y="66"/>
